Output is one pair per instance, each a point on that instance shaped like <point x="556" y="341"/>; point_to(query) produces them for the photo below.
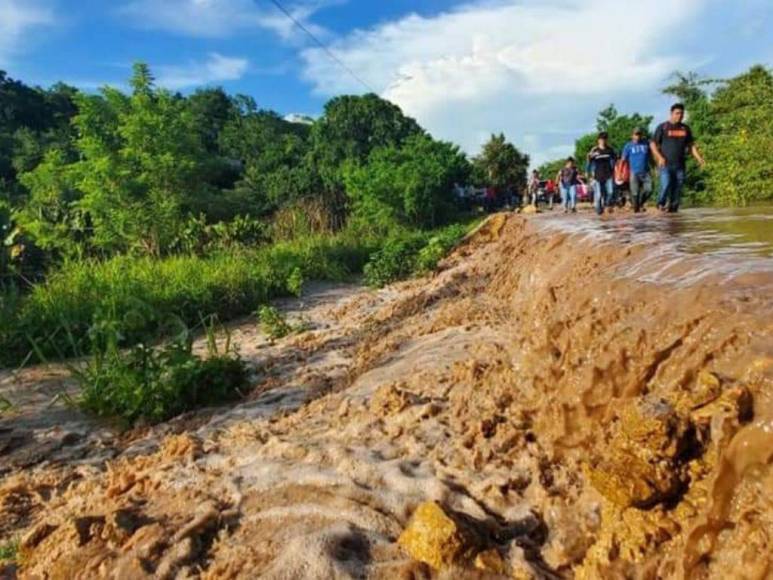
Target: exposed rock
<point x="641" y="465"/>
<point x="490" y="561"/>
<point x="36" y="535"/>
<point x="391" y="400"/>
<point x="436" y="538"/>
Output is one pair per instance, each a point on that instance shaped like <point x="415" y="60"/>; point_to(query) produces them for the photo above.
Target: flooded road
<point x="727" y="246"/>
<point x="565" y="397"/>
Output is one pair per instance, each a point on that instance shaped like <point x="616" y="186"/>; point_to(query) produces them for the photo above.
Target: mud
<point x="543" y="406"/>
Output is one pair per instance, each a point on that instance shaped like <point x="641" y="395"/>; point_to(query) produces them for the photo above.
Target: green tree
<point x="211" y="109"/>
<point x="740" y="147"/>
<point x="350" y="128"/>
<point x="411" y="184"/>
<point x="550" y="169"/>
<point x="692" y="90"/>
<point x="618" y="127"/>
<point x="271" y="154"/>
<point x="502" y="164"/>
<point x="52" y="216"/>
<point x="32" y="120"/>
<point x="138" y="174"/>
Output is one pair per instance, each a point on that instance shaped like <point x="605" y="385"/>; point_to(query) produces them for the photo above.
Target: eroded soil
<point x="547" y="415"/>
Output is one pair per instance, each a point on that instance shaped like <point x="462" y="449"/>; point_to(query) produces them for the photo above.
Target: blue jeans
<point x="598" y="201"/>
<point x="671" y="182"/>
<point x="569" y="196"/>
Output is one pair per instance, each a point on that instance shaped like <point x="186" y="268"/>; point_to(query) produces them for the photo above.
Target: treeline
<point x="732" y="121"/>
<point x="133" y="213"/>
<point x="156" y="173"/>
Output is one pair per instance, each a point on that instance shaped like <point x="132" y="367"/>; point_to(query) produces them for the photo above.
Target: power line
<point x="319" y="43"/>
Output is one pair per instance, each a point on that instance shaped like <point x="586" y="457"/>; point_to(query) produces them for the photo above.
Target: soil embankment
<point x="569" y="414"/>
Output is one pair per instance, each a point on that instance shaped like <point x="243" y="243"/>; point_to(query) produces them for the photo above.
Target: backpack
<point x="622" y="172"/>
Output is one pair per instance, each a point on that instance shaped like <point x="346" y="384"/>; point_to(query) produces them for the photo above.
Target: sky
<point x="537" y="70"/>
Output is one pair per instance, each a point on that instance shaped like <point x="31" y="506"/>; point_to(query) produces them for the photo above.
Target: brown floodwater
<point x="582" y="397"/>
<point x="696" y="246"/>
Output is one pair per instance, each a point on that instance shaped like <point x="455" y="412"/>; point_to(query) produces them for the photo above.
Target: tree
<point x="139" y="170"/>
<point x="32" y="121"/>
<point x="271" y="152"/>
<point x="550" y="169"/>
<point x="618" y="127"/>
<point x="411" y="184"/>
<point x="691" y="90"/>
<point x="353" y="126"/>
<point x="740" y="147"/>
<point x="211" y="109"/>
<point x="502" y="164"/>
<point x="350" y="128"/>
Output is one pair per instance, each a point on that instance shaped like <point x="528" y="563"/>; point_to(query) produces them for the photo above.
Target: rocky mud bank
<point x="529" y="411"/>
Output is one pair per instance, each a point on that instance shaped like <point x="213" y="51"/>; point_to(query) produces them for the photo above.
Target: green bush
<point x="409" y="253"/>
<point x="155" y="384"/>
<point x="145" y="297"/>
<point x="9" y="550"/>
<point x="395" y="260"/>
<point x="411" y="184"/>
<point x="438" y="246"/>
<point x="273" y="323"/>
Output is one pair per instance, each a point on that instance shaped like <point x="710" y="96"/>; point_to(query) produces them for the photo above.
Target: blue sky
<point x="538" y="70"/>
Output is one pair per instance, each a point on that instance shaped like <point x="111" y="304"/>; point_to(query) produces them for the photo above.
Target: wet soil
<point x="569" y="411"/>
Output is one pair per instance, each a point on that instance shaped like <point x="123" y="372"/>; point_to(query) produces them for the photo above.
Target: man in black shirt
<point x="670" y="144"/>
<point x="601" y="164"/>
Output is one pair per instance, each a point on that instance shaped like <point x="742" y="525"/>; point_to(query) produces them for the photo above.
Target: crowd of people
<point x="668" y="148"/>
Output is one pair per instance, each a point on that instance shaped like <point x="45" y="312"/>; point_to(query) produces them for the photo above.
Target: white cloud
<point x="221" y="18"/>
<point x="17" y="17"/>
<point x="216" y="68"/>
<point x="537" y="69"/>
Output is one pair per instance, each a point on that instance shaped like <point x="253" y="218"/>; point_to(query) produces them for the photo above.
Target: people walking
<point x="550" y="191"/>
<point x="601" y="165"/>
<point x="637" y="153"/>
<point x="567" y="181"/>
<point x="670" y="144"/>
<point x="534" y="187"/>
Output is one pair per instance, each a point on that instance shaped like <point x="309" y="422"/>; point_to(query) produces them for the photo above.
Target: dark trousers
<point x="641" y="189"/>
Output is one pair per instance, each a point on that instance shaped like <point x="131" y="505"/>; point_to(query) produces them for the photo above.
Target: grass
<point x="148" y="299"/>
<point x="407" y="253"/>
<point x="155" y="384"/>
<point x="132" y="319"/>
<point x="145" y="300"/>
<point x="9" y="550"/>
<point x="273" y="323"/>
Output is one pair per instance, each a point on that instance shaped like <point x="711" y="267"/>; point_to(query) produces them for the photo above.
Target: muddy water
<point x="696" y="246"/>
<point x="581" y="394"/>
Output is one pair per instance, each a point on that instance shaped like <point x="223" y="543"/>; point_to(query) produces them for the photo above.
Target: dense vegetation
<point x="733" y="125"/>
<point x="130" y="218"/>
